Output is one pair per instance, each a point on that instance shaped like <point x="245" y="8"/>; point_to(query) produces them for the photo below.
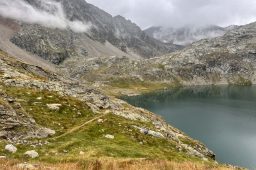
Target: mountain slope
<point x="229" y="59"/>
<point x="107" y="36"/>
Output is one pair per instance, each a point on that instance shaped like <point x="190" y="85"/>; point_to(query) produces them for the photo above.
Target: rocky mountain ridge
<point x="229" y="59"/>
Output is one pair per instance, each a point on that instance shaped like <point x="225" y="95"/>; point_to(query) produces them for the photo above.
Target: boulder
<point x="32" y="154"/>
<point x="150" y="132"/>
<point x="155" y="134"/>
<point x="10" y="148"/>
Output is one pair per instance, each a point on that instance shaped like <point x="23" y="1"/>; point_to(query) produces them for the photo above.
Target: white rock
<point x="110" y="136"/>
<point x="81" y="153"/>
<point x="10" y="148"/>
<point x="32" y="154"/>
<point x="54" y="106"/>
<point x="100" y="120"/>
<point x="2" y="157"/>
<point x="25" y="166"/>
<point x="39" y="98"/>
<point x="50" y="132"/>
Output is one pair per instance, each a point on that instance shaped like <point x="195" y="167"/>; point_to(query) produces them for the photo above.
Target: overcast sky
<point x="177" y="13"/>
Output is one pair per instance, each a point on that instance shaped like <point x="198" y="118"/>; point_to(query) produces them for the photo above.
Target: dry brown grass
<point x="111" y="164"/>
<point x="12" y="165"/>
<point x="150" y="165"/>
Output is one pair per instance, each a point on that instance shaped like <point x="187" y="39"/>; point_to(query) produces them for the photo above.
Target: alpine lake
<point x="221" y="117"/>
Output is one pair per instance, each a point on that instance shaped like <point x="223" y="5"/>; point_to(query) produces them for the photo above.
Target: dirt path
<point x="80" y="126"/>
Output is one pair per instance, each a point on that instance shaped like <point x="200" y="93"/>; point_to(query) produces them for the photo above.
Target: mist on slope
<point x="53" y="16"/>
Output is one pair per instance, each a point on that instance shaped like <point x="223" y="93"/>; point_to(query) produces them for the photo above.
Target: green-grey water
<point x="223" y="118"/>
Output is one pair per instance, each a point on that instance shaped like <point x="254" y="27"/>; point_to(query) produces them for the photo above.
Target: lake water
<point x="223" y="118"/>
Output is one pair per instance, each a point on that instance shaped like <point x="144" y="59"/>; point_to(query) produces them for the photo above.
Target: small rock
<point x="81" y="153"/>
<point x="2" y="157"/>
<point x="32" y="154"/>
<point x="50" y="132"/>
<point x="3" y="134"/>
<point x="32" y="120"/>
<point x="110" y="136"/>
<point x="45" y="132"/>
<point x="25" y="166"/>
<point x="54" y="106"/>
<point x="100" y="120"/>
<point x="39" y="98"/>
<point x="10" y="100"/>
<point x="205" y="159"/>
<point x="10" y="148"/>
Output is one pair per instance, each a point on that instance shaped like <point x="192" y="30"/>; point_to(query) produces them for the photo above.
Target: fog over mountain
<point x="178" y="13"/>
<point x="187" y="34"/>
<point x="52" y="15"/>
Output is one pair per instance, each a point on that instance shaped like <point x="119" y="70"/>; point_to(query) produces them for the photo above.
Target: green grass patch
<point x="72" y="111"/>
<point x="128" y="143"/>
<point x="141" y="86"/>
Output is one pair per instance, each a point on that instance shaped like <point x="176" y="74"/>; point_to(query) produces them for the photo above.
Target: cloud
<point x="52" y="15"/>
<point x="178" y="13"/>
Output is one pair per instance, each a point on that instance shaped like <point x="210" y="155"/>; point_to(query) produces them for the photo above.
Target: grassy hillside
<point x="86" y="139"/>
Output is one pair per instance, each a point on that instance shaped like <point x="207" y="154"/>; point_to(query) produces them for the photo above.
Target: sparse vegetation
<point x="138" y="86"/>
<point x="241" y="81"/>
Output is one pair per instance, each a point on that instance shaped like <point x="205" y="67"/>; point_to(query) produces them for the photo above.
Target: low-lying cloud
<point x="52" y="16"/>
